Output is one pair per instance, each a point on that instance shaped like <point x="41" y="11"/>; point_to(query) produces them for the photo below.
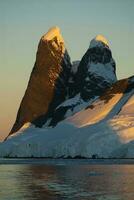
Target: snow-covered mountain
<point x="73" y="110"/>
<point x="89" y="78"/>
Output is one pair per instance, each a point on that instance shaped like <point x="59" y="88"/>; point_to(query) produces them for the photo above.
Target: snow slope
<point x="110" y="137"/>
<point x="105" y="107"/>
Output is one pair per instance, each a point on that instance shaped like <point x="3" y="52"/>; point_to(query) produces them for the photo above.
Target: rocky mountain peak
<point x="48" y="84"/>
<point x="97" y="69"/>
<point x="52" y="33"/>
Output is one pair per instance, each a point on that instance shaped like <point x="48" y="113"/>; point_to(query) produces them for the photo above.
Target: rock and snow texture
<point x="54" y="81"/>
<point x="106" y="106"/>
<point x="106" y="137"/>
<point x="48" y="84"/>
<point x="81" y="108"/>
<point x="92" y="76"/>
<point x="96" y="71"/>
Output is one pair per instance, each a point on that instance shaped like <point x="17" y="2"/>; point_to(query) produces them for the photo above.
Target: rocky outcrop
<point x="48" y="84"/>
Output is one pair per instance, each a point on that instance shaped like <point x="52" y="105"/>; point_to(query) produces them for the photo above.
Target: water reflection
<point x="81" y="182"/>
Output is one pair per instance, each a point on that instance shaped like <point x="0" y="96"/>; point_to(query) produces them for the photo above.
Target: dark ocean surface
<point x="74" y="179"/>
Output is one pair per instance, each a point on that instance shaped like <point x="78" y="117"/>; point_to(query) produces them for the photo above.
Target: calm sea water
<point x="66" y="179"/>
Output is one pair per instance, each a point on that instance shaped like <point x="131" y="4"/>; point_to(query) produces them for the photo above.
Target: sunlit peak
<point x="53" y="32"/>
<point x="101" y="38"/>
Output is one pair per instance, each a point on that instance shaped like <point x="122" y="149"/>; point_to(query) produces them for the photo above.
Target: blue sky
<point x="24" y="22"/>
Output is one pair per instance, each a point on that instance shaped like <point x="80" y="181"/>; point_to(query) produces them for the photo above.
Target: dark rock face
<point x="48" y="84"/>
<point x="130" y="84"/>
<point x="72" y="79"/>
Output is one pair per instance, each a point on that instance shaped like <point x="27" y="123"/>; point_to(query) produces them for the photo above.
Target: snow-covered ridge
<point x="99" y="41"/>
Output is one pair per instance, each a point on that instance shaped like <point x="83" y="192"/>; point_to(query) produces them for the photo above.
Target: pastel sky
<point x="24" y="22"/>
